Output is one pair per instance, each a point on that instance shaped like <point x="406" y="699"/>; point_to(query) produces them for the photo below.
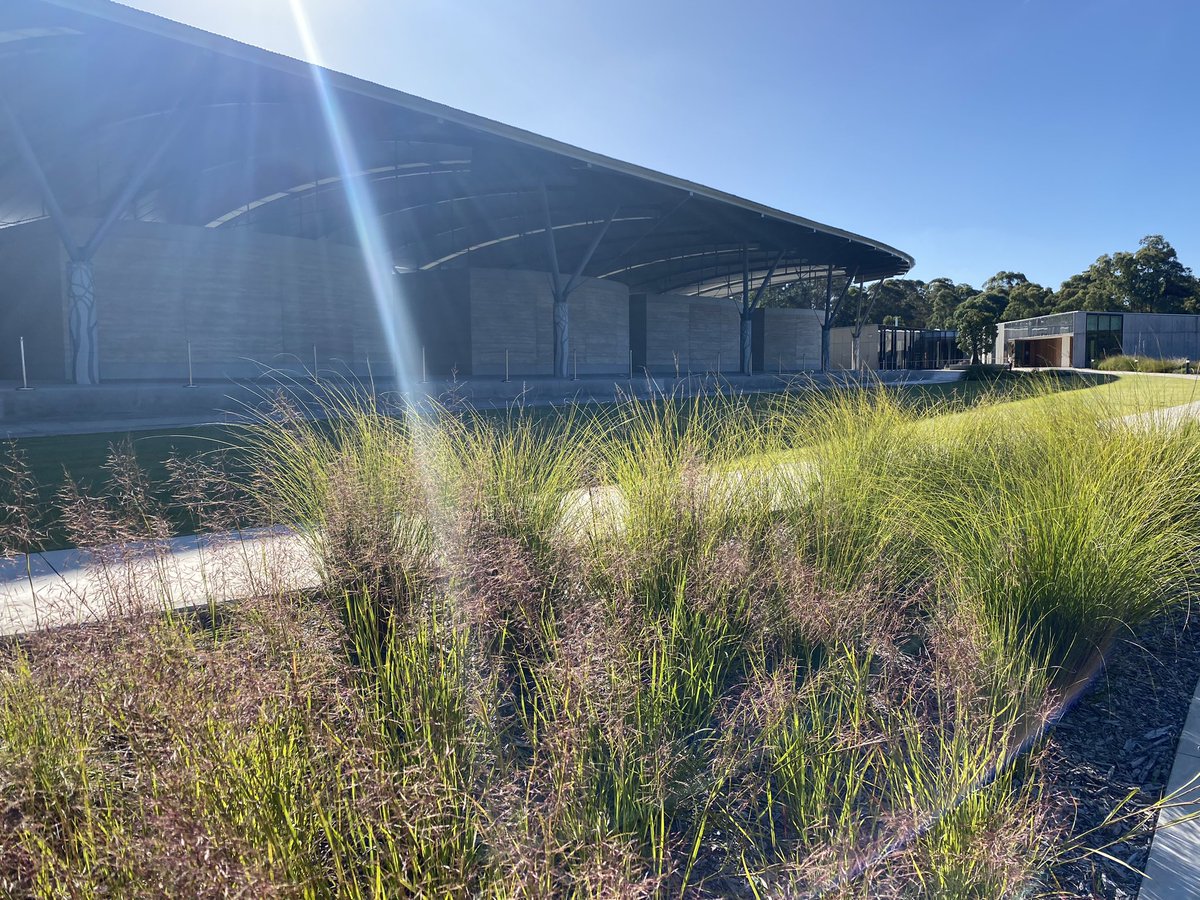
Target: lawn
<point x="832" y="685"/>
<point x="83" y="456"/>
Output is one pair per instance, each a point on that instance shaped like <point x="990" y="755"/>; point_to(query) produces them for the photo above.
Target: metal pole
<point x="506" y="365"/>
<point x="424" y="377"/>
<point x="631" y="365"/>
<point x="191" y="382"/>
<point x="24" y="377"/>
<point x="316" y="375"/>
<point x="718" y="362"/>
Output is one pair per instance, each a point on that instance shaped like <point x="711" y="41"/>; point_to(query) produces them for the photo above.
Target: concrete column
<point x="747" y="340"/>
<point x="562" y="337"/>
<point x="81" y="318"/>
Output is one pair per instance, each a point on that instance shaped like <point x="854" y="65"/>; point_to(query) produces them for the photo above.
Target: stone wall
<point x="697" y="334"/>
<point x="841" y="344"/>
<point x="468" y="319"/>
<point x="243" y="300"/>
<point x="790" y="340"/>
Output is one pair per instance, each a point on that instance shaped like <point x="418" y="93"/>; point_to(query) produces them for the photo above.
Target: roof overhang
<point x="236" y="136"/>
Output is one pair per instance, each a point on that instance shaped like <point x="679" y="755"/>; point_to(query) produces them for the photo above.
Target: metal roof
<point x="216" y="133"/>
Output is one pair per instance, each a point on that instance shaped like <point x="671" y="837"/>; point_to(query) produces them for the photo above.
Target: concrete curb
<point x="1173" y="867"/>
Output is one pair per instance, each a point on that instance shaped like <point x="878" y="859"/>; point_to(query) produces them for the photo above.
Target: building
<point x="175" y="202"/>
<point x="1082" y="339"/>
<point x="888" y="347"/>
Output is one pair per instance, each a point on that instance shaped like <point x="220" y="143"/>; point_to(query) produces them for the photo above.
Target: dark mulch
<point x="1120" y="737"/>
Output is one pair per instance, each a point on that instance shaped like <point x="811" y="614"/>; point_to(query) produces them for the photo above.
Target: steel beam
<point x="573" y="282"/>
<point x="29" y="157"/>
<point x="831" y="310"/>
<point x="562" y="318"/>
<point x="749" y="304"/>
<point x="133" y="185"/>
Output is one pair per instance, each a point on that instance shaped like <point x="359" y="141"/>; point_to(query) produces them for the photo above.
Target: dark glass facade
<point x="918" y="348"/>
<point x="1105" y="332"/>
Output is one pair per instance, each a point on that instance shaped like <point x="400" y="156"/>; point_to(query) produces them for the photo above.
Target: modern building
<point x="888" y="347"/>
<point x="1082" y="339"/>
<point x="170" y="198"/>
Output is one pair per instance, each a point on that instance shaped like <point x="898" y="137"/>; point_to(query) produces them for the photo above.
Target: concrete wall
<point x="1162" y="336"/>
<point x="787" y="339"/>
<point x="245" y="300"/>
<point x="697" y="333"/>
<point x="437" y="307"/>
<point x="32" y="302"/>
<point x="514" y="310"/>
<point x="466" y="319"/>
<point x="841" y="347"/>
<point x="241" y="298"/>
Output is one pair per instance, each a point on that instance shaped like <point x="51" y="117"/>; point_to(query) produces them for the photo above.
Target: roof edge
<point x="120" y="14"/>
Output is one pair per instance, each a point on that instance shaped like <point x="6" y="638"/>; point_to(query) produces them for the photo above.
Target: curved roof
<point x="212" y="132"/>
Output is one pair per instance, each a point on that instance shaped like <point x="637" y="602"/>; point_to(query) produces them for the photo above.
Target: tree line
<point x="1150" y="279"/>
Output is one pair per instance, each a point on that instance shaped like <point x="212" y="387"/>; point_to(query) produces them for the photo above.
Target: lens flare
<point x="376" y="255"/>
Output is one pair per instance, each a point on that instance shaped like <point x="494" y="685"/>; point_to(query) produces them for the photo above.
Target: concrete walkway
<point x="1173" y="867"/>
<point x="71" y="587"/>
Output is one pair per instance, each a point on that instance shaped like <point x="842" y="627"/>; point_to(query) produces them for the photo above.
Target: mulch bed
<point x="1121" y="736"/>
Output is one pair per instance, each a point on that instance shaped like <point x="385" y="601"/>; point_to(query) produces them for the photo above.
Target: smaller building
<point x="1082" y="339"/>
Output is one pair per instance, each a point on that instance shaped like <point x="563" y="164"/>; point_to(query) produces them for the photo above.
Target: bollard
<point x="24" y="376"/>
<point x="191" y="381"/>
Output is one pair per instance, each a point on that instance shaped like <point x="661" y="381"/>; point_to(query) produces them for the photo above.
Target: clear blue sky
<point x="977" y="135"/>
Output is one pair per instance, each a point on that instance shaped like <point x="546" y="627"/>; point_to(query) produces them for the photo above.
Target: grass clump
<point x="1126" y="363"/>
<point x="665" y="649"/>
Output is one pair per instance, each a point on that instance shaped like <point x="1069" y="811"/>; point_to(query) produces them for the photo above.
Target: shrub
<point x="1123" y="363"/>
<point x="671" y="648"/>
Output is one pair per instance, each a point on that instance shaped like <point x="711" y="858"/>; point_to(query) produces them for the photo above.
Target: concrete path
<point x="70" y="587"/>
<point x="1168" y="417"/>
<point x="1173" y="867"/>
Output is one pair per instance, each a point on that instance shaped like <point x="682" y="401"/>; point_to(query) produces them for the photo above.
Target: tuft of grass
<point x="1126" y="363"/>
<point x="683" y="647"/>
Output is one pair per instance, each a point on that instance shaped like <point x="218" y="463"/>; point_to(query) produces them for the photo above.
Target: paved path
<point x="69" y="587"/>
<point x="1173" y="867"/>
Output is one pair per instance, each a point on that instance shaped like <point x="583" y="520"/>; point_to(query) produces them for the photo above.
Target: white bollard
<point x="191" y="381"/>
<point x="24" y="376"/>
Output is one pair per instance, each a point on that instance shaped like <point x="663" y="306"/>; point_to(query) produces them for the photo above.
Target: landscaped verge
<point x="751" y="686"/>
